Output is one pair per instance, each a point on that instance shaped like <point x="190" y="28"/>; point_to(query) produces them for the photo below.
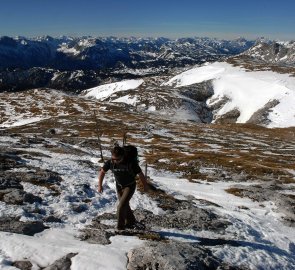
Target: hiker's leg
<point x="130" y="218"/>
<point x="123" y="208"/>
<point x="120" y="220"/>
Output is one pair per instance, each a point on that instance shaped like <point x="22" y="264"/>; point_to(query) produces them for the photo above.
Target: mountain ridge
<point x="75" y="64"/>
<point x="96" y="53"/>
<point x="273" y="52"/>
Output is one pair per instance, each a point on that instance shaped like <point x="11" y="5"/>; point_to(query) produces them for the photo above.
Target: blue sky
<point x="168" y="18"/>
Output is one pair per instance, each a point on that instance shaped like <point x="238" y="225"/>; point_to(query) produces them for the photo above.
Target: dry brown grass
<point x="187" y="149"/>
<point x="235" y="191"/>
<point x="250" y="64"/>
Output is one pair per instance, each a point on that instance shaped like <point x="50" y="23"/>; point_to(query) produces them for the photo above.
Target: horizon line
<point x="140" y="37"/>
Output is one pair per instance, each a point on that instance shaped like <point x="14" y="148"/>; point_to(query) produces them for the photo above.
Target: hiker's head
<point x="117" y="154"/>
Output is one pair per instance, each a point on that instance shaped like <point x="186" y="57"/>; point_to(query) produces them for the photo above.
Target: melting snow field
<point x="246" y="91"/>
<point x="264" y="242"/>
<point x="104" y="91"/>
<point x="22" y="121"/>
<point x="51" y="245"/>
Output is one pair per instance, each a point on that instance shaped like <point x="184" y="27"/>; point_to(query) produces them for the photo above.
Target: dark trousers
<point x="124" y="212"/>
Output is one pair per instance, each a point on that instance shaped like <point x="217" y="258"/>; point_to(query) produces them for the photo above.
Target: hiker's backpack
<point x="130" y="153"/>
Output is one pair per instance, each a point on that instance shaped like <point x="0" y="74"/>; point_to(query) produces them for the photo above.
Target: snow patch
<point x="245" y="91"/>
<point x="127" y="99"/>
<point x="22" y="122"/>
<point x="104" y="91"/>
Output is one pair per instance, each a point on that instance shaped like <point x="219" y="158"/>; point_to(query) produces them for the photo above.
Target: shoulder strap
<point x="112" y="167"/>
<point x="130" y="169"/>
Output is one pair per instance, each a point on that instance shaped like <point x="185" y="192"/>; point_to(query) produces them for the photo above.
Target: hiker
<point x="124" y="171"/>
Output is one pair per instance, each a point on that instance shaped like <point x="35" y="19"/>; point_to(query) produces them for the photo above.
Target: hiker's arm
<point x="143" y="181"/>
<point x="100" y="180"/>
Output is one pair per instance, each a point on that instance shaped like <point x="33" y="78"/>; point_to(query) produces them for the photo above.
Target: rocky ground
<point x="46" y="165"/>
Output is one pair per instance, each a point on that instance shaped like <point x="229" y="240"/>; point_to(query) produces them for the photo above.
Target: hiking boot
<point x="130" y="226"/>
<point x="135" y="226"/>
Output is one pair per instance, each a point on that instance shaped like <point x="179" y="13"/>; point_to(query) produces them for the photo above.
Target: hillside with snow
<point x="222" y="196"/>
<point x="104" y="91"/>
<point x="212" y="93"/>
<point x="282" y="52"/>
<point x="245" y="93"/>
<point x="215" y="140"/>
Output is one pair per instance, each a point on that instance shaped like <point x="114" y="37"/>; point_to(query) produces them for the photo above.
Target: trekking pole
<point x="98" y="136"/>
<point x="124" y="138"/>
<point x="145" y="171"/>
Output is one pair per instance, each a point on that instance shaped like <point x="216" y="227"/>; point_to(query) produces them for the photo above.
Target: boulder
<point x="62" y="264"/>
<point x="18" y="196"/>
<point x="9" y="180"/>
<point x="13" y="225"/>
<point x="52" y="219"/>
<point x="23" y="265"/>
<point x="173" y="255"/>
<point x="14" y="196"/>
<point x="8" y="161"/>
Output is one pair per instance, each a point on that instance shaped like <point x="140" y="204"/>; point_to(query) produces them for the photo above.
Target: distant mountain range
<point x="75" y="64"/>
<point x="99" y="53"/>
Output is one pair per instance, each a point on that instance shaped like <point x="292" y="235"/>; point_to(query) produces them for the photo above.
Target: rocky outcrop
<point x="14" y="172"/>
<point x="35" y="176"/>
<point x="199" y="92"/>
<point x="63" y="263"/>
<point x="261" y="116"/>
<point x="22" y="265"/>
<point x="173" y="256"/>
<point x="9" y="160"/>
<point x="273" y="52"/>
<point x="11" y="189"/>
<point x="158" y="252"/>
<point x="190" y="218"/>
<point x="227" y="118"/>
<point x="13" y="225"/>
<point x="18" y="197"/>
<point x="216" y="104"/>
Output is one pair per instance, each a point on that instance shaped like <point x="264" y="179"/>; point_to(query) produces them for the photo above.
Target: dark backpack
<point x="130" y="153"/>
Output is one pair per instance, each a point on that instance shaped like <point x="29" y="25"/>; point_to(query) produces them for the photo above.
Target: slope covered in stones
<point x="214" y="187"/>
